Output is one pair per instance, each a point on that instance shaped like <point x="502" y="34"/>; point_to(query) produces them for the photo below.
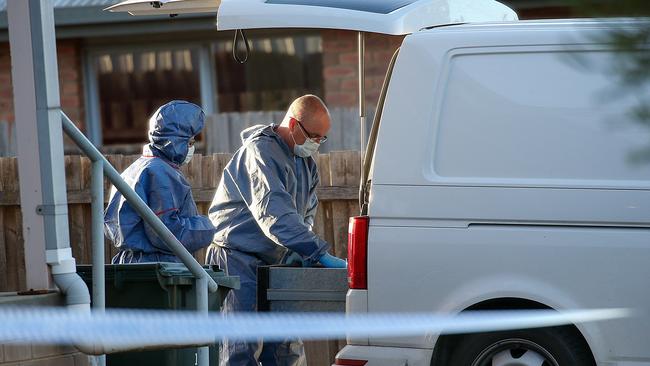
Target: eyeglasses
<point x="315" y="137"/>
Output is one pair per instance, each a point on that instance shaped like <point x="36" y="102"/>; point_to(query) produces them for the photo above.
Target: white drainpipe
<point x="64" y="272"/>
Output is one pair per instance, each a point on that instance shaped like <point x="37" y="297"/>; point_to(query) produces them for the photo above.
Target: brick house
<point x="115" y="69"/>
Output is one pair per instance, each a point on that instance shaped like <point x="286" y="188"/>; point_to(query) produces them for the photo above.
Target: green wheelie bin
<point x="158" y="286"/>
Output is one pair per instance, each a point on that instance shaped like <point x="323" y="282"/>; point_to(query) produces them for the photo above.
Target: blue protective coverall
<point x="156" y="178"/>
<point x="263" y="210"/>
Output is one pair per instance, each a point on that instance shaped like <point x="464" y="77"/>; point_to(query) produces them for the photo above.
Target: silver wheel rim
<point x="515" y="352"/>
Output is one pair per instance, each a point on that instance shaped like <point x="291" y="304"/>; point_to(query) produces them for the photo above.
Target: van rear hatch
<point x="395" y="17"/>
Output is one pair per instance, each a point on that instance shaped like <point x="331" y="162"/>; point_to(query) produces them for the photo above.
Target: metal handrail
<point x="204" y="282"/>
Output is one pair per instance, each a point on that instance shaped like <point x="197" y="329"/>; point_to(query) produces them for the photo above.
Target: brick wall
<point x="70" y="81"/>
<point x="6" y="93"/>
<point x="32" y="355"/>
<point x="340" y="65"/>
<point x="14" y="354"/>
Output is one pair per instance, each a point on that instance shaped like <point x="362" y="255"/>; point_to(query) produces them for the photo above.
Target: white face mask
<point x="190" y="153"/>
<point x="308" y="148"/>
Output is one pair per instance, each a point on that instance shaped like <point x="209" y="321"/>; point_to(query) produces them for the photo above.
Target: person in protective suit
<point x="264" y="210"/>
<point x="156" y="178"/>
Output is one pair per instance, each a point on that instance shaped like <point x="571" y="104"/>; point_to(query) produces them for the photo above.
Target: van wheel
<point x="557" y="346"/>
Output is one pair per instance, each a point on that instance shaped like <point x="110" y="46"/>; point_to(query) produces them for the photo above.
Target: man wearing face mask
<point x="264" y="211"/>
<point x="156" y="178"/>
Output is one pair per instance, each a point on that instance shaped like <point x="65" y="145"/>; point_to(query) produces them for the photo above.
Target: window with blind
<point x="133" y="84"/>
<point x="278" y="69"/>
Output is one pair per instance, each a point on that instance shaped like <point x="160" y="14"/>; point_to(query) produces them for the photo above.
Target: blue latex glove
<point x="331" y="261"/>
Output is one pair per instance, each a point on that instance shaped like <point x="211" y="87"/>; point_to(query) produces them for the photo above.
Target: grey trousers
<point x="233" y="353"/>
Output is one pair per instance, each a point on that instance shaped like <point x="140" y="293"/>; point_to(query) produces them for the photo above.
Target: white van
<point x="500" y="174"/>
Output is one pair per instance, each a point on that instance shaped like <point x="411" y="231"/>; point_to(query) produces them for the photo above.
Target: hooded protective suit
<point x="156" y="178"/>
<point x="263" y="210"/>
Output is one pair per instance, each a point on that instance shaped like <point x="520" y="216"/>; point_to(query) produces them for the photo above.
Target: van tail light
<point x="346" y="362"/>
<point x="358" y="252"/>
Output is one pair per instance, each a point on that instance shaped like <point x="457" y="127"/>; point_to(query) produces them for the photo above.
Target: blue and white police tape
<point x="126" y="328"/>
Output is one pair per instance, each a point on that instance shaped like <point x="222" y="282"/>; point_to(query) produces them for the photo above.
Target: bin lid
<point x="395" y="17"/>
<point x="167" y="273"/>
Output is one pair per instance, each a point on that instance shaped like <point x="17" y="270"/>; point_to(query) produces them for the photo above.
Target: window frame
<point x="207" y="78"/>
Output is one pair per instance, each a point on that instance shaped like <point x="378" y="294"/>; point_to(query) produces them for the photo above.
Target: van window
<point x="547" y="115"/>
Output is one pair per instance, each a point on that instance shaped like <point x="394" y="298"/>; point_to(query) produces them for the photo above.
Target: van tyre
<point x="557" y="346"/>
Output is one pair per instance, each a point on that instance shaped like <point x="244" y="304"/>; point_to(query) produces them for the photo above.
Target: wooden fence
<point x="338" y="195"/>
